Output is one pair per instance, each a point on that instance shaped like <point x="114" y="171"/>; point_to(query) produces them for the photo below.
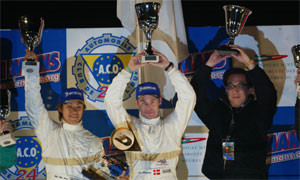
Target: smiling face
<point x="237" y="89"/>
<point x="148" y="106"/>
<point x="72" y="111"/>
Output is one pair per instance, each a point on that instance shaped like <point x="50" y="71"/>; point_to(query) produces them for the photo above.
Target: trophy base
<point x="31" y="62"/>
<point x="150" y="58"/>
<point x="226" y="50"/>
<point x="30" y="67"/>
<point x="7" y="140"/>
<point x="124" y="140"/>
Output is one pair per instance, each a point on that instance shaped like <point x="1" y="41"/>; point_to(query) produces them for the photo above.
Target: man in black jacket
<point x="237" y="121"/>
<point x="297" y="105"/>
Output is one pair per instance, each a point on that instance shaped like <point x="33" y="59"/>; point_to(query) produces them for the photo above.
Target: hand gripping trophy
<point x="6" y="137"/>
<point x="296" y="53"/>
<point x="235" y="19"/>
<point x="147" y="14"/>
<point x="31" y="34"/>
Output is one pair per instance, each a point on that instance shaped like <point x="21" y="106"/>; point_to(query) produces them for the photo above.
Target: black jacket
<point x="249" y="133"/>
<point x="297" y="118"/>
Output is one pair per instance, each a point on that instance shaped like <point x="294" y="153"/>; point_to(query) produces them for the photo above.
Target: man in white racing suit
<point x="159" y="138"/>
<point x="66" y="147"/>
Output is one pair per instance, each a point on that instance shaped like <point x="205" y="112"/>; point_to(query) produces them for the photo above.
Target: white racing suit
<point x="160" y="139"/>
<point x="66" y="148"/>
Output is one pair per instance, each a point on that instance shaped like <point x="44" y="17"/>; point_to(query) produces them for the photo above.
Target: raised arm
<point x="297" y="105"/>
<point x="34" y="105"/>
<point x="114" y="96"/>
<point x="265" y="91"/>
<point x="185" y="93"/>
<point x="202" y="83"/>
<point x="186" y="101"/>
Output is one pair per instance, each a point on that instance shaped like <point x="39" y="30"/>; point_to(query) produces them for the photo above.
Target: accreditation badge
<point x="228" y="149"/>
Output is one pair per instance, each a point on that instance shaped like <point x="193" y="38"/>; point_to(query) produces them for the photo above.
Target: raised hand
<point x="163" y="61"/>
<point x="123" y="176"/>
<point x="5" y="126"/>
<point x="242" y="57"/>
<point x="135" y="61"/>
<point x="215" y="58"/>
<point x="30" y="55"/>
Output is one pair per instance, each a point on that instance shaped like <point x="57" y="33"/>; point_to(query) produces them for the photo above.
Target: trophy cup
<point x="235" y="19"/>
<point x="6" y="137"/>
<point x="31" y="34"/>
<point x="147" y="14"/>
<point x="296" y="53"/>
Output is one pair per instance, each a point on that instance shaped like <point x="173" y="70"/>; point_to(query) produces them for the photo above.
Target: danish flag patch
<point x="156" y="171"/>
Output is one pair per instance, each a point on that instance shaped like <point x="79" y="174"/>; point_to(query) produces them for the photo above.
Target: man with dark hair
<point x="159" y="138"/>
<point x="236" y="71"/>
<point x="297" y="105"/>
<point x="237" y="122"/>
<point x="67" y="147"/>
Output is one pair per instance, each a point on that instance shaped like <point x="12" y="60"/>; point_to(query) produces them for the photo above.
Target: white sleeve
<point x="35" y="108"/>
<point x="114" y="100"/>
<point x="185" y="103"/>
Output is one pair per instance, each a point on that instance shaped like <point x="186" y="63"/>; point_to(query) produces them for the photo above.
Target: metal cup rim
<point x="242" y="7"/>
<point x="138" y="4"/>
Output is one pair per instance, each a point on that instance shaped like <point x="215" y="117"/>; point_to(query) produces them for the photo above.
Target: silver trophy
<point x="31" y="34"/>
<point x="6" y="137"/>
<point x="147" y="14"/>
<point x="296" y="53"/>
<point x="235" y="19"/>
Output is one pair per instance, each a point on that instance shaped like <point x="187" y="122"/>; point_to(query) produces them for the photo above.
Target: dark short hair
<point x="241" y="71"/>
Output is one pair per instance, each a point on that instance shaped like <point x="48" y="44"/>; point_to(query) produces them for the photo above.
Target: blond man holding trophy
<point x="152" y="144"/>
<point x="159" y="138"/>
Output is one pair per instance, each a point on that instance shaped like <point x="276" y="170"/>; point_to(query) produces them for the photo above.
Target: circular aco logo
<point x="102" y="67"/>
<point x="29" y="152"/>
<point x="29" y="160"/>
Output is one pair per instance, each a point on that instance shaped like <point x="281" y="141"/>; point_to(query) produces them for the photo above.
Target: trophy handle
<point x="149" y="48"/>
<point x="231" y="40"/>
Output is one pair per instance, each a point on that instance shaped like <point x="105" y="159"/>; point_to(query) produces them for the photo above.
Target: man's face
<point x="237" y="89"/>
<point x="148" y="106"/>
<point x="72" y="112"/>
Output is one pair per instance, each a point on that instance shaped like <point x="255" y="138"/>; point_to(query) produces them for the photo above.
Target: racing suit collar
<point x="72" y="127"/>
<point x="154" y="121"/>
